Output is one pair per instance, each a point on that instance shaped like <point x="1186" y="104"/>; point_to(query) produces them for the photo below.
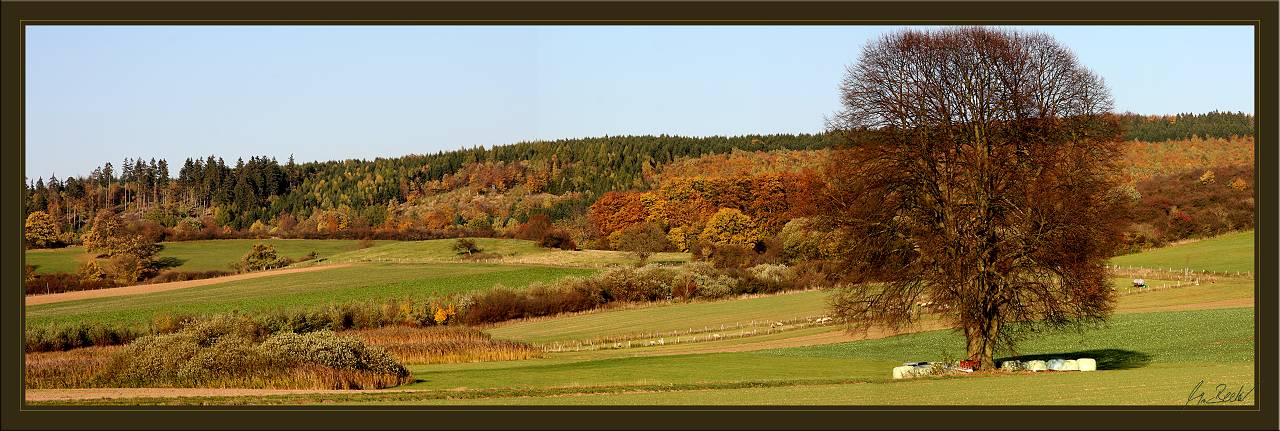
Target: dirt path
<point x="99" y="393"/>
<point x="161" y="287"/>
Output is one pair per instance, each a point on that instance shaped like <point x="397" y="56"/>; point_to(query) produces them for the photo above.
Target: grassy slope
<point x="361" y="282"/>
<point x="665" y="317"/>
<point x="1231" y="252"/>
<point x="198" y="255"/>
<point x="511" y="251"/>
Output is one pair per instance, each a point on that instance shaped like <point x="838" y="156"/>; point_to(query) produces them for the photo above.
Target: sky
<point x="103" y="93"/>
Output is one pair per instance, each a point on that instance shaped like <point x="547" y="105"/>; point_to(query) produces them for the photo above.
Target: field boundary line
<point x="139" y="289"/>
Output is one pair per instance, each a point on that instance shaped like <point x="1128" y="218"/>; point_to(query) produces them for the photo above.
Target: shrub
<point x="231" y="351"/>
<point x="173" y="275"/>
<point x="64" y="282"/>
<point x="262" y="257"/>
<point x="465" y="246"/>
<point x="558" y="238"/>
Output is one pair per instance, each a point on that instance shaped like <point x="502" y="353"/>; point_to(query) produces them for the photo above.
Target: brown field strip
<point x="162" y="287"/>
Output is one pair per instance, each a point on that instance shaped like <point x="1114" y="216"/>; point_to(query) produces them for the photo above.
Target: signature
<point x="1220" y="394"/>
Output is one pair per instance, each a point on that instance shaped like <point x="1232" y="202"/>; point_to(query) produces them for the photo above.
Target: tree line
<point x="1214" y="124"/>
<point x="262" y="190"/>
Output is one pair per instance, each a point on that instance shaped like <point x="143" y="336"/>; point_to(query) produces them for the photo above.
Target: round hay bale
<point x="1036" y="366"/>
<point x="1055" y="364"/>
<point x="903" y="372"/>
<point x="1070" y="365"/>
<point x="1087" y="364"/>
<point x="1011" y="366"/>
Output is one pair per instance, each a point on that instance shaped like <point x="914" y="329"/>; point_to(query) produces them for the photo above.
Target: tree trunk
<point x="980" y="341"/>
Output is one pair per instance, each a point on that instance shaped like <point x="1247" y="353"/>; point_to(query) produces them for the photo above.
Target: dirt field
<point x="161" y="287"/>
<point x="97" y="393"/>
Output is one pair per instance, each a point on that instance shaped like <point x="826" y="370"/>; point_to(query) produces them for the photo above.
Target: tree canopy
<point x="981" y="177"/>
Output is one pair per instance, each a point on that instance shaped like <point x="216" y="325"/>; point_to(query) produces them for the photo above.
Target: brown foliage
<point x="1000" y="203"/>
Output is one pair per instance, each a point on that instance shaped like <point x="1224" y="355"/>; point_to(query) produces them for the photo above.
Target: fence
<point x="1181" y="274"/>
<point x="691" y="335"/>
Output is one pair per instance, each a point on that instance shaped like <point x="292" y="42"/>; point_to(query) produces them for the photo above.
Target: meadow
<point x="1160" y="343"/>
<point x="203" y="255"/>
<point x="492" y="250"/>
<point x="1230" y="253"/>
<point x="367" y="282"/>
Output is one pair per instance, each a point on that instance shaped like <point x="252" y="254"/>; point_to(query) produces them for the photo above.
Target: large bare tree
<point x="981" y="176"/>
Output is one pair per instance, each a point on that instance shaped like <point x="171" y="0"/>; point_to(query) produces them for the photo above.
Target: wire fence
<point x="726" y="331"/>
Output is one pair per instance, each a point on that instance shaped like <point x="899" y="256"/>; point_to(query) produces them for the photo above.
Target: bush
<point x="172" y="275"/>
<point x="262" y="257"/>
<point x="558" y="238"/>
<point x="70" y="336"/>
<point x="465" y="246"/>
<point x="64" y="282"/>
<point x="232" y="351"/>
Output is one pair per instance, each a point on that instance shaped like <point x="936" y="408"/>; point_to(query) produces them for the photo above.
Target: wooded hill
<point x="493" y="191"/>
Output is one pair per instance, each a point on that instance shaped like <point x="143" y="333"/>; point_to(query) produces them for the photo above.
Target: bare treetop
<point x="968" y="75"/>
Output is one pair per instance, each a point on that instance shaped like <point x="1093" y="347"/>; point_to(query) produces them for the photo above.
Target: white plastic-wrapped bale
<point x="1036" y="366"/>
<point x="1055" y="364"/>
<point x="1011" y="366"/>
<point x="1070" y="365"/>
<point x="1087" y="364"/>
<point x="903" y="372"/>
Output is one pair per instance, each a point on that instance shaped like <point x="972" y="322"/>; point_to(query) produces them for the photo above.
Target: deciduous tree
<point x="981" y="175"/>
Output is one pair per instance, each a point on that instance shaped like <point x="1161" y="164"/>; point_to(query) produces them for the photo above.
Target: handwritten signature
<point x="1223" y="394"/>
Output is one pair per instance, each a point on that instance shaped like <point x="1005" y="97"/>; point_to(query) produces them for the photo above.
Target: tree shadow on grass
<point x="1108" y="359"/>
<point x="168" y="262"/>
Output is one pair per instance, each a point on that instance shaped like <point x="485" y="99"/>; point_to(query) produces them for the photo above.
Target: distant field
<point x="374" y="282"/>
<point x="203" y="255"/>
<point x="507" y="251"/>
<point x="666" y="317"/>
<point x="1231" y="252"/>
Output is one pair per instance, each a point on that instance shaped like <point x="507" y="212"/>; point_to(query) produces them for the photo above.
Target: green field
<point x="1232" y="252"/>
<point x="1160" y="343"/>
<point x="1144" y="358"/>
<point x="374" y="282"/>
<point x="506" y="251"/>
<point x="666" y="317"/>
<point x="204" y="255"/>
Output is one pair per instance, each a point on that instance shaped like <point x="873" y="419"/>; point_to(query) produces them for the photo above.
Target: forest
<point x="590" y="189"/>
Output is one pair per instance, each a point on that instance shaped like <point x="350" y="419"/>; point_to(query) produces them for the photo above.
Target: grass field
<point x="665" y="317"/>
<point x="1144" y="358"/>
<point x="506" y="251"/>
<point x="1226" y="253"/>
<point x="1158" y="346"/>
<point x="373" y="282"/>
<point x="199" y="255"/>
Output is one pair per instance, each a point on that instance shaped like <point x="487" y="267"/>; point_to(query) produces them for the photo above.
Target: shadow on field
<point x="1108" y="359"/>
<point x="169" y="262"/>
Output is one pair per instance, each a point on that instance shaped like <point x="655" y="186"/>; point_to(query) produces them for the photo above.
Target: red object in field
<point x="969" y="364"/>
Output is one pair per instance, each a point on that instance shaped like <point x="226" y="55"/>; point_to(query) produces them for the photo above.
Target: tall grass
<point x="444" y="345"/>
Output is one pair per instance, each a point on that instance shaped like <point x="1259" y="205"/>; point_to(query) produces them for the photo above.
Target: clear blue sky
<point x="103" y="93"/>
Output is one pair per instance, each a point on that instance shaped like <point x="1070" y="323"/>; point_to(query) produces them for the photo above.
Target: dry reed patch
<point x="444" y="345"/>
<point x="74" y="368"/>
<point x="226" y="352"/>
